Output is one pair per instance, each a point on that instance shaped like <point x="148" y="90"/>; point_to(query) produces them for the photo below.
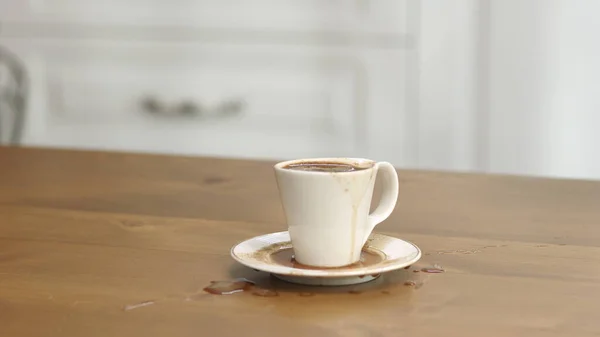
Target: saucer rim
<point x="329" y="273"/>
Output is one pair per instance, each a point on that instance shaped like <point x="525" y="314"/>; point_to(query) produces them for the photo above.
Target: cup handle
<point x="389" y="195"/>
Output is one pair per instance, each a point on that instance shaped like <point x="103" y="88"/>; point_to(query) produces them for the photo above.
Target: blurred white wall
<point x="509" y="86"/>
<point x="502" y="86"/>
<point x="544" y="87"/>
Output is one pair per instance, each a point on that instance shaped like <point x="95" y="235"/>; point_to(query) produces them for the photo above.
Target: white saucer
<point x="273" y="253"/>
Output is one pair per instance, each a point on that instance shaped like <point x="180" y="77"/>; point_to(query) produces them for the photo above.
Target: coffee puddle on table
<point x="265" y="292"/>
<point x="266" y="285"/>
<point x="436" y="269"/>
<point x="229" y="287"/>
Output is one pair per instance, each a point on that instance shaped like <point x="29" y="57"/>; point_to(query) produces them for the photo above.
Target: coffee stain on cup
<point x="353" y="230"/>
<point x="357" y="196"/>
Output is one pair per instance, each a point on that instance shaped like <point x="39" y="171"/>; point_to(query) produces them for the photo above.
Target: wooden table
<point x="101" y="244"/>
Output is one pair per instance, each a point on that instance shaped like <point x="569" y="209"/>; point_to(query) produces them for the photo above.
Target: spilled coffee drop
<point x="415" y="284"/>
<point x="264" y="292"/>
<point x="436" y="269"/>
<point x="229" y="287"/>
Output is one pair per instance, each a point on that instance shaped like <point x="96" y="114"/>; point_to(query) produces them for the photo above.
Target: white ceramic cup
<point x="328" y="212"/>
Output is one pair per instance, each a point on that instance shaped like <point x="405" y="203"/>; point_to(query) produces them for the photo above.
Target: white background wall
<point x="448" y="119"/>
<point x="544" y="82"/>
<point x="510" y="86"/>
<point x="502" y="86"/>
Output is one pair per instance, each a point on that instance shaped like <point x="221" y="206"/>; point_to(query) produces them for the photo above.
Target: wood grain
<point x="84" y="235"/>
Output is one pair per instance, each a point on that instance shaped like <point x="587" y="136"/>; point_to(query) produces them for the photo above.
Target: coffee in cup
<point x="327" y="201"/>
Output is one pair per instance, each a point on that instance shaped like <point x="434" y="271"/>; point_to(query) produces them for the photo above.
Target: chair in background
<point x="13" y="97"/>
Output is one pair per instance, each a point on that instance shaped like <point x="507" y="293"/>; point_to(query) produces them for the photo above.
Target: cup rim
<point x="368" y="164"/>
